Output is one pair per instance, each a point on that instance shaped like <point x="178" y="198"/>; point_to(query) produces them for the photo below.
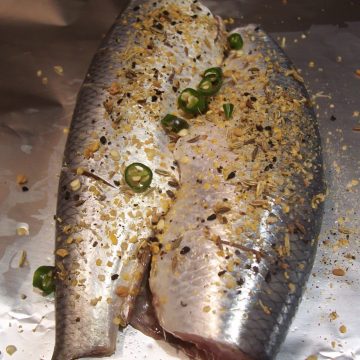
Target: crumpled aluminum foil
<point x="46" y="47"/>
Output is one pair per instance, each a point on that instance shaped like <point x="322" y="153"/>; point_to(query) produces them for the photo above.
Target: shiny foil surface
<point x="46" y="47"/>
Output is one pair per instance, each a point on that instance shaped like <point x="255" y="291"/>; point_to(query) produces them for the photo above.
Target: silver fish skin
<point x="144" y="319"/>
<point x="240" y="240"/>
<point x="103" y="227"/>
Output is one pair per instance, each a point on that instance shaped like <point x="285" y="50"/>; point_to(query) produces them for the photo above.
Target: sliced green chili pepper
<point x="44" y="279"/>
<point x="228" y="110"/>
<point x="173" y="123"/>
<point x="138" y="176"/>
<point x="212" y="81"/>
<point x="209" y="87"/>
<point x="235" y="41"/>
<point x="215" y="73"/>
<point x="192" y="102"/>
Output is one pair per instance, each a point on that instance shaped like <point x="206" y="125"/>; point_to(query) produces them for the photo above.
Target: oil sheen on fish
<point x="239" y="241"/>
<point x="103" y="228"/>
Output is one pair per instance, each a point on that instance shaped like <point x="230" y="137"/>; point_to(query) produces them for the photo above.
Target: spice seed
<point x="75" y="185"/>
<point x="343" y="329"/>
<point x="115" y="155"/>
<point x="222" y="210"/>
<point x="162" y="172"/>
<point x="122" y="291"/>
<point x="231" y="175"/>
<point x="23" y="259"/>
<point x="183" y="132"/>
<point x="173" y="183"/>
<point x="62" y="252"/>
<point x="184" y="250"/>
<point x="170" y="194"/>
<point x="21" y="179"/>
<point x="11" y="349"/>
<point x="22" y="229"/>
<point x="211" y="217"/>
<point x="338" y="272"/>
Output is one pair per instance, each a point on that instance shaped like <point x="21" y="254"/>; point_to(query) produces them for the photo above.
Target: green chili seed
<point x="228" y="110"/>
<point x="138" y="176"/>
<point x="208" y="86"/>
<point x="235" y="41"/>
<point x="211" y="82"/>
<point x="44" y="279"/>
<point x="192" y="102"/>
<point x="215" y="73"/>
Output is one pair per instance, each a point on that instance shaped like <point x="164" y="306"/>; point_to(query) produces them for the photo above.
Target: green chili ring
<point x="208" y="86"/>
<point x="192" y="102"/>
<point x="138" y="176"/>
<point x="215" y="73"/>
<point x="172" y="123"/>
<point x="44" y="279"/>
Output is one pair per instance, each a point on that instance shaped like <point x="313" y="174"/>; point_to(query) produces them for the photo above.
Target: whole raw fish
<point x="103" y="227"/>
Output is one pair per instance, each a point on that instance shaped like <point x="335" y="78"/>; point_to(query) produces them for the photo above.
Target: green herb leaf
<point x="138" y="176"/>
<point x="228" y="110"/>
